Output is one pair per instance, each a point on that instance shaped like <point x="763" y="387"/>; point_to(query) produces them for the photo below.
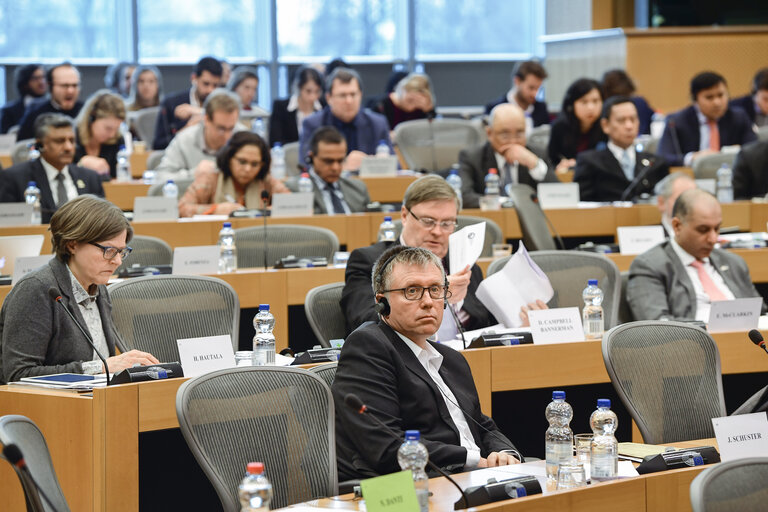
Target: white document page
<point x="465" y="246"/>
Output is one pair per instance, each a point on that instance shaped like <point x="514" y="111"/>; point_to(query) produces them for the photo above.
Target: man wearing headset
<point x="408" y="382"/>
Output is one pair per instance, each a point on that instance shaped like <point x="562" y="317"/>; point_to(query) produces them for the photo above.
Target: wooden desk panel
<point x="123" y="194"/>
<point x="388" y="190"/>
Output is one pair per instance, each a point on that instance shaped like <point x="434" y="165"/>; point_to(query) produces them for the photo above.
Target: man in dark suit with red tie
<point x="618" y="171"/>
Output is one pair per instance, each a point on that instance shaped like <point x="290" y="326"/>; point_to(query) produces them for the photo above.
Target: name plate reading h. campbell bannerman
<point x="559" y="325"/>
<point x="206" y="354"/>
<point x="202" y="259"/>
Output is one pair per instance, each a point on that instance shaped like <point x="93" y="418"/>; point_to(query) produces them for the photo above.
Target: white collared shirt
<point x="90" y="311"/>
<point x="537" y="173"/>
<point x="618" y="154"/>
<point x="432" y="360"/>
<point x="51" y="172"/>
<point x="321" y="185"/>
<point x="293" y="104"/>
<point x="703" y="304"/>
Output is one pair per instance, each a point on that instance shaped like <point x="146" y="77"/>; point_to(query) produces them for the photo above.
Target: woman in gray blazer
<point x="37" y="337"/>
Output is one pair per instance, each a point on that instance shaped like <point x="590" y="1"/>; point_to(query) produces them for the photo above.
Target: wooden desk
<point x="122" y="194"/>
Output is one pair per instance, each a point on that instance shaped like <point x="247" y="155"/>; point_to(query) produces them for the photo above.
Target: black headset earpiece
<point x="308" y="158"/>
<point x="382" y="307"/>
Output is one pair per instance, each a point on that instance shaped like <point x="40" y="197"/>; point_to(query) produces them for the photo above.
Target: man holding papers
<point x="679" y="279"/>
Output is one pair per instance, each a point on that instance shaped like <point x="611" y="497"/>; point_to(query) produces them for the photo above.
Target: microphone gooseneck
<point x="559" y="239"/>
<point x="13" y="454"/>
<point x="264" y="202"/>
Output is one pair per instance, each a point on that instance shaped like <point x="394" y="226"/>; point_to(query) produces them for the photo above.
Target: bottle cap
<point x="277" y="145"/>
<point x="387" y="218"/>
<point x="32" y="184"/>
<point x="382" y="141"/>
<point x="263" y="307"/>
<point x="604" y="402"/>
<point x="558" y="395"/>
<point x="169" y="181"/>
<point x="412" y="435"/>
<point x="305" y="175"/>
<point x="255" y="468"/>
<point x="454" y="171"/>
<point x="227" y="224"/>
<point x="493" y="170"/>
<point x="592" y="282"/>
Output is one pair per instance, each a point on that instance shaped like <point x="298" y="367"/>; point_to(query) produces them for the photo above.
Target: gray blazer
<point x="36" y="336"/>
<point x="659" y="286"/>
<point x="354" y="191"/>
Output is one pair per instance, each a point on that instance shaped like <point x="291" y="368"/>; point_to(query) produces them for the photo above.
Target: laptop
<point x="22" y="246"/>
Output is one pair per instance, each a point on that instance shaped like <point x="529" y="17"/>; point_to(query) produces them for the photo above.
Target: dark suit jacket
<point x="37" y="337"/>
<point x="473" y="167"/>
<point x="601" y="178"/>
<point x="564" y="143"/>
<point x="659" y="286"/>
<point x="354" y="191"/>
<point x="370" y="126"/>
<point x="108" y="152"/>
<point x="750" y="171"/>
<point x="357" y="299"/>
<point x="14" y="180"/>
<point x="282" y="124"/>
<point x="682" y="132"/>
<point x="167" y="123"/>
<point x="644" y="114"/>
<point x="11" y="114"/>
<point x="539" y="116"/>
<point x="378" y="367"/>
<point x="745" y="103"/>
<point x="38" y="107"/>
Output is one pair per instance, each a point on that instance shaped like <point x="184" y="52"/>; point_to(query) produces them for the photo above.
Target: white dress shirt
<point x="703" y="304"/>
<point x="51" y="172"/>
<point x="431" y="360"/>
<point x="90" y="311"/>
<point x="618" y="154"/>
<point x="703" y="136"/>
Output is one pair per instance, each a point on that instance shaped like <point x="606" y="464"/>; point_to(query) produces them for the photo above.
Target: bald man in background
<point x="505" y="151"/>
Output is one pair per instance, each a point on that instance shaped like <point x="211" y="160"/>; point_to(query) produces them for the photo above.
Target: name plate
<point x="392" y="493"/>
<point x="638" y="239"/>
<point x="734" y="315"/>
<point x="7" y="143"/>
<point x="204" y="355"/>
<point x="558" y="195"/>
<point x="742" y="436"/>
<point x="293" y="205"/>
<point x="377" y="166"/>
<point x="558" y="325"/>
<point x="15" y="214"/>
<point x="202" y="259"/>
<point x="155" y="208"/>
<point x="708" y="184"/>
<point x="24" y="266"/>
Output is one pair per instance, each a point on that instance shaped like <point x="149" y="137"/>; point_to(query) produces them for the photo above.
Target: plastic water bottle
<point x="255" y="491"/>
<point x="257" y="127"/>
<point x="387" y="230"/>
<point x="264" y="341"/>
<point x="32" y="152"/>
<point x="492" y="183"/>
<point x="725" y="184"/>
<point x="413" y="455"/>
<point x="305" y="183"/>
<point x="604" y="452"/>
<point x="454" y="179"/>
<point x="227" y="249"/>
<point x="592" y="315"/>
<point x="382" y="149"/>
<point x="278" y="161"/>
<point x="558" y="441"/>
<point x="32" y="196"/>
<point x="123" y="165"/>
<point x="170" y="190"/>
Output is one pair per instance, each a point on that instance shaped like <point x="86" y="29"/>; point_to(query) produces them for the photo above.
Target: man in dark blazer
<point x="428" y="200"/>
<point x="333" y="194"/>
<point x="64" y="91"/>
<point x="362" y="129"/>
<point x="607" y="174"/>
<point x="54" y="174"/>
<point x="750" y="171"/>
<point x="30" y="84"/>
<point x="755" y="104"/>
<point x="679" y="279"/>
<point x="527" y="78"/>
<point x="505" y="151"/>
<point x="706" y="126"/>
<point x="185" y="108"/>
<point x="408" y="382"/>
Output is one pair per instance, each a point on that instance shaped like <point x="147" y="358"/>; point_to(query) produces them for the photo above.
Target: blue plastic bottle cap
<point x="169" y="181"/>
<point x="412" y="435"/>
<point x="32" y="184"/>
<point x="382" y="141"/>
<point x="592" y="282"/>
<point x="604" y="402"/>
<point x="227" y="224"/>
<point x="387" y="218"/>
<point x="265" y="307"/>
<point x="558" y="395"/>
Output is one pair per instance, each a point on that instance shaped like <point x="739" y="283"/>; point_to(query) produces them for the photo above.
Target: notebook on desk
<point x="22" y="246"/>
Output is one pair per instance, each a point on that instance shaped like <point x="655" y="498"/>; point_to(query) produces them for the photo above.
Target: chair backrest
<point x="156" y="189"/>
<point x="143" y="122"/>
<point x="434" y="145"/>
<point x="733" y="485"/>
<point x="154" y="158"/>
<point x="20" y="151"/>
<point x="291" y="159"/>
<point x="706" y="167"/>
<point x="538" y="139"/>
<point x="667" y="374"/>
<point x="23" y="432"/>
<point x="533" y="223"/>
<point x="568" y="272"/>
<point x="152" y="312"/>
<point x="147" y="251"/>
<point x="625" y="312"/>
<point x="283" y="240"/>
<point x="493" y="233"/>
<point x="323" y="309"/>
<point x="327" y="372"/>
<point x="280" y="416"/>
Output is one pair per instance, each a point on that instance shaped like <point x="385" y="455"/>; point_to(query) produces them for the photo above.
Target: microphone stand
<point x="641" y="176"/>
<point x="264" y="201"/>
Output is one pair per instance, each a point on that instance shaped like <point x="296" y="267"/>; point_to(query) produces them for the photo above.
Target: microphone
<point x="13" y="454"/>
<point x="353" y="402"/>
<point x="535" y="199"/>
<point x="458" y="326"/>
<point x="640" y="178"/>
<point x="757" y="339"/>
<point x="56" y="296"/>
<point x="432" y="142"/>
<point x="264" y="201"/>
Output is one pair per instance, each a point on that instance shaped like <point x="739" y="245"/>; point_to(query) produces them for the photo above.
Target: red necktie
<point x="710" y="288"/>
<point x="714" y="136"/>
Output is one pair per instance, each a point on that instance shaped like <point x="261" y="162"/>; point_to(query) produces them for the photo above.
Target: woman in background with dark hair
<point x="30" y="83"/>
<point x="617" y="82"/>
<point x="243" y="173"/>
<point x="577" y="128"/>
<point x="289" y="114"/>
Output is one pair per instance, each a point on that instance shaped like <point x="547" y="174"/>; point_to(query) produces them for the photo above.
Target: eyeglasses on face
<point x="436" y="291"/>
<point x="111" y="252"/>
<point x="448" y="226"/>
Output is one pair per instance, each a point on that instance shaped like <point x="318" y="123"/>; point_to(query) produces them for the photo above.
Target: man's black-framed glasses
<point x="111" y="252"/>
<point x="435" y="291"/>
<point x="449" y="226"/>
